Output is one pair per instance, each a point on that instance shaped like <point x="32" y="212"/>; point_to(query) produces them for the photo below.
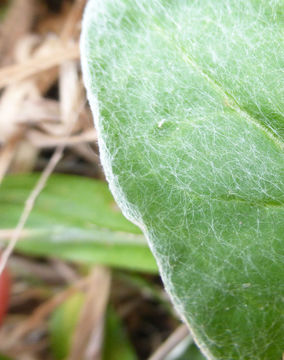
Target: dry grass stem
<point x="87" y="338"/>
<point x="11" y="34"/>
<point x="6" y="234"/>
<point x="39" y="315"/>
<point x="64" y="271"/>
<point x="35" y="111"/>
<point x="11" y="103"/>
<point x="177" y="337"/>
<point x="29" y="206"/>
<point x="40" y="140"/>
<point x="14" y="73"/>
<point x="28" y="267"/>
<point x="7" y="153"/>
<point x="71" y="28"/>
<point x="85" y="151"/>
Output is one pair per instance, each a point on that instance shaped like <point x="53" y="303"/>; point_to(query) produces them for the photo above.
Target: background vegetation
<point x="84" y="283"/>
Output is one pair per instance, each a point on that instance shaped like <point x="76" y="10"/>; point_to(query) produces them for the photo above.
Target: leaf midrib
<point x="229" y="100"/>
<point x="233" y="104"/>
<point x="265" y="204"/>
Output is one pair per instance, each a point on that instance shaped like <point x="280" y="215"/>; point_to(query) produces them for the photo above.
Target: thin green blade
<point x="74" y="219"/>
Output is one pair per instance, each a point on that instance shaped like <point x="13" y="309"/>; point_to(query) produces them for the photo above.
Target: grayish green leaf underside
<point x="188" y="99"/>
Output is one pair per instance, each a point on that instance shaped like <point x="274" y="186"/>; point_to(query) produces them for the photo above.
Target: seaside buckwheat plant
<point x="188" y="101"/>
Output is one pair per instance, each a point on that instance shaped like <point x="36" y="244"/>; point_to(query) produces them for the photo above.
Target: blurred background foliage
<point x="84" y="282"/>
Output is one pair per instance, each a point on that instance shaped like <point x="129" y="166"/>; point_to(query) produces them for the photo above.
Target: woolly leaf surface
<point x="188" y="99"/>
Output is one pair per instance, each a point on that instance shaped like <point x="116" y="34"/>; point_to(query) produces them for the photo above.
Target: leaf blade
<point x="187" y="100"/>
<point x="81" y="225"/>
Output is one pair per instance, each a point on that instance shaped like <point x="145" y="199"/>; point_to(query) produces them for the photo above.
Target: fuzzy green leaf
<point x="188" y="100"/>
